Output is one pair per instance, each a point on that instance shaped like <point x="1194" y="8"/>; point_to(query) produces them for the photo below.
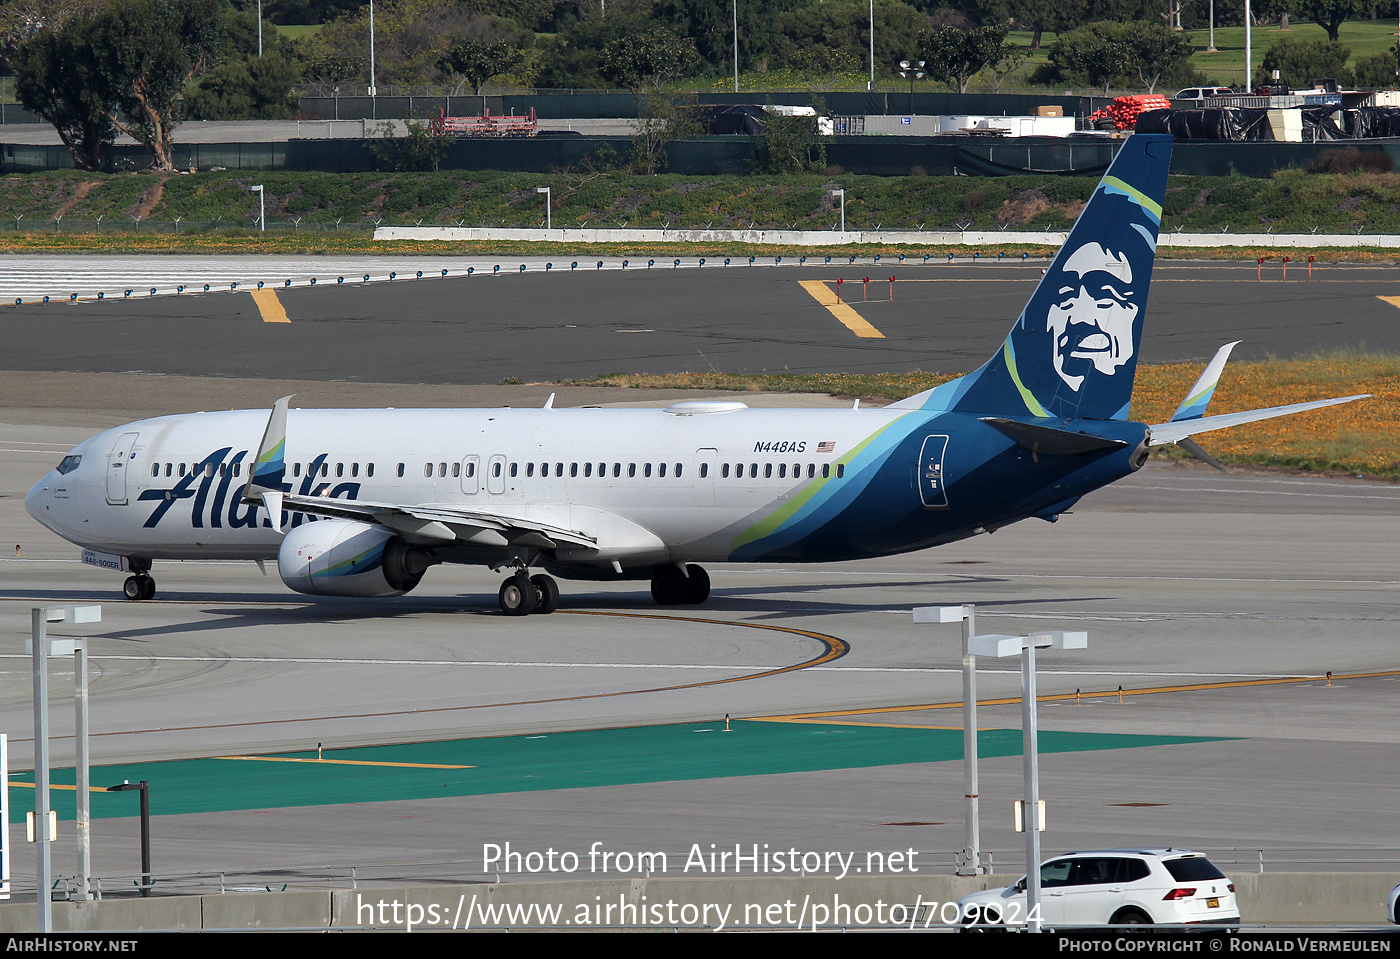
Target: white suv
<point x="1114" y="887"/>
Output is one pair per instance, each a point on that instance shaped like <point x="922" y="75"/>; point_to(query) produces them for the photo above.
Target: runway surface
<point x="1217" y="603"/>
<point x="487" y="328"/>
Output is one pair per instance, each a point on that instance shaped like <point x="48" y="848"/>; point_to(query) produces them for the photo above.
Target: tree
<point x="1329" y="14"/>
<point x="660" y="120"/>
<point x="1154" y="49"/>
<point x="1377" y="70"/>
<point x="844" y="26"/>
<point x="1300" y="61"/>
<point x="418" y="149"/>
<point x="1094" y="53"/>
<point x="480" y="59"/>
<point x="955" y="56"/>
<point x="127" y="61"/>
<point x="149" y="50"/>
<point x="55" y="78"/>
<point x="244" y="85"/>
<point x="653" y="56"/>
<point x="790" y="145"/>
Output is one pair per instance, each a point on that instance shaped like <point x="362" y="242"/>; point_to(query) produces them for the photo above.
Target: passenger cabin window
<point x="661" y="470"/>
<point x="369" y="469"/>
<point x="646" y="469"/>
<point x="400" y="470"/>
<point x="155" y="469"/>
<point x="457" y="469"/>
<point x="427" y="469"/>
<point x="529" y="469"/>
<point x="631" y="469"/>
<point x="704" y="470"/>
<point x="339" y="469"/>
<point x="514" y="470"/>
<point x="354" y="469"/>
<point x="442" y="469"/>
<point x="840" y="470"/>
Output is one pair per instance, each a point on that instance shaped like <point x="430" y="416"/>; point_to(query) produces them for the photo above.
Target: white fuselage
<point x="649" y="485"/>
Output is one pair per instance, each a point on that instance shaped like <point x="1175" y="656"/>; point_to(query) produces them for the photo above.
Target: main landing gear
<point x="523" y="594"/>
<point x="139" y="586"/>
<point x="672" y="587"/>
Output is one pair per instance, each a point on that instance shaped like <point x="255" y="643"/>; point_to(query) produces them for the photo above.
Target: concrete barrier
<point x="823" y="238"/>
<point x="1290" y="899"/>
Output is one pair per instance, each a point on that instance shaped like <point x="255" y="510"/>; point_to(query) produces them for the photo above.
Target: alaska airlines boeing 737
<point x="363" y="502"/>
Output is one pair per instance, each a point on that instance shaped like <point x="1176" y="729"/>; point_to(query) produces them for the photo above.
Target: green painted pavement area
<point x="603" y="757"/>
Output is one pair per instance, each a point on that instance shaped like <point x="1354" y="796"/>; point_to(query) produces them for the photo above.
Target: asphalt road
<point x="537" y="326"/>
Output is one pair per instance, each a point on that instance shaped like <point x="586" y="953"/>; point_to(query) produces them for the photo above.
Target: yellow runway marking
<point x="849" y="318"/>
<point x="269" y="306"/>
<point x="1061" y="697"/>
<point x="1392" y="300"/>
<point x="342" y="762"/>
<point x="91" y="789"/>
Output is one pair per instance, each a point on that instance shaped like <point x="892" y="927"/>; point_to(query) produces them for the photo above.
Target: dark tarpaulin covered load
<point x="1233" y="123"/>
<point x="1320" y="123"/>
<point x="745" y="118"/>
<point x="1373" y="122"/>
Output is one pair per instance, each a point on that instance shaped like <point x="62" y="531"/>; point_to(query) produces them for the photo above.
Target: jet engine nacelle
<point x="349" y="558"/>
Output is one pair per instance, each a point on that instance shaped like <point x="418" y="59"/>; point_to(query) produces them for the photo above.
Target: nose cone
<point x="36" y="502"/>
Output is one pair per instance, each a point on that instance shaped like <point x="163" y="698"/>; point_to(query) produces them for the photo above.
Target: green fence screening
<point x="702" y="156"/>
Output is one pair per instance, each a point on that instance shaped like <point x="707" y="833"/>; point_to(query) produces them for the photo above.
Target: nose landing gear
<point x="140" y="586"/>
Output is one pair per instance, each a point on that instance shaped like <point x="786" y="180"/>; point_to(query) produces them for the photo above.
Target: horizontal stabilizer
<point x="1047" y="439"/>
<point x="1163" y="434"/>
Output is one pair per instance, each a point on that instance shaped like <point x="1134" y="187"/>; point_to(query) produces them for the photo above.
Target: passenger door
<point x="118" y="465"/>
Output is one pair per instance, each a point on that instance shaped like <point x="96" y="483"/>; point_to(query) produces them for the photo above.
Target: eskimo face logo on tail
<point x="1091" y="321"/>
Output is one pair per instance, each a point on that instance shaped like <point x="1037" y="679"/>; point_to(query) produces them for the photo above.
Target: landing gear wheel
<point x="148" y="588"/>
<point x="697" y="585"/>
<point x="139" y="586"/>
<point x="668" y="586"/>
<point x="517" y="596"/>
<point x="546" y="593"/>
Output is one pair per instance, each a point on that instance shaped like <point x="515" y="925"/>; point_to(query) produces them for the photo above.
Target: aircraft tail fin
<point x="1073" y="351"/>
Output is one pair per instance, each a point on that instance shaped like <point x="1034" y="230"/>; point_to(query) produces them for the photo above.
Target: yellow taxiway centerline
<point x="1060" y="697"/>
<point x="269" y="306"/>
<point x="849" y="318"/>
<point x="343" y="762"/>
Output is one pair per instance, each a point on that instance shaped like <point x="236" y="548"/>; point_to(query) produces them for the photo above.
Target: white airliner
<point x="363" y="502"/>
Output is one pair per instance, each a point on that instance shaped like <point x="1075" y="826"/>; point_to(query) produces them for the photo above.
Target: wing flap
<point x="443" y="523"/>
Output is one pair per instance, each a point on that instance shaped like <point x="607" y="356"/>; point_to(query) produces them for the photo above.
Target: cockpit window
<point x="69" y="464"/>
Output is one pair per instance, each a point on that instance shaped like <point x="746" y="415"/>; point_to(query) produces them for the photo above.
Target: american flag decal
<point x="827" y="447"/>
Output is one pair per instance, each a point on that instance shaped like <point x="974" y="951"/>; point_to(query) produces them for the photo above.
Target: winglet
<point x="1193" y="407"/>
<point x="270" y="465"/>
<point x="549" y="403"/>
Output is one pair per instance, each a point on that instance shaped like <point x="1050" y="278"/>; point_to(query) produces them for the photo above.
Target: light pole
<point x="842" y="195"/>
<point x="1248" y="52"/>
<point x="372" y="91"/>
<point x="262" y="207"/>
<point x="1025" y="647"/>
<point x="548" y="223"/>
<point x="736" y="46"/>
<point x="145" y="788"/>
<point x="41" y="648"/>
<point x="259" y="29"/>
<point x="1211" y="48"/>
<point x="871" y="85"/>
<point x="913" y="71"/>
<point x="970" y="861"/>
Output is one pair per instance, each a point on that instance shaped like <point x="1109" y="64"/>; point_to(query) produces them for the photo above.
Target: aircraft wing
<point x="1161" y="434"/>
<point x="441" y="525"/>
